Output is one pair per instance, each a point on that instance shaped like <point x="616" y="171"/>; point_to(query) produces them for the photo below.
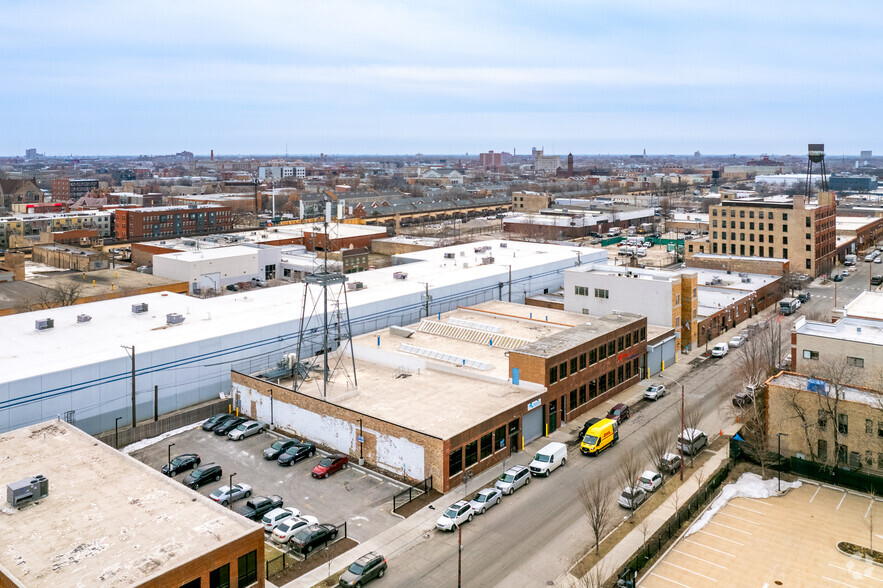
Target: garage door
<point x="533" y="425"/>
<point x="654" y="360"/>
<point x="668" y="352"/>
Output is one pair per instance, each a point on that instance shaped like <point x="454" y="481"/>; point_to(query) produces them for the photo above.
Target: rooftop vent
<point x="83" y="318"/>
<point x="44" y="324"/>
<point x="400" y="275"/>
<point x="139" y="308"/>
<point x="450" y="256"/>
<point x="174" y="318"/>
<point x="27" y="490"/>
<point x="355" y="285"/>
<point x="503" y="245"/>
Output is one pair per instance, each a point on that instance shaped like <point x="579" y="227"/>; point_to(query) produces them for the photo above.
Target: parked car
<point x="586" y="425"/>
<point x="720" y="350"/>
<point x="484" y="499"/>
<point x="631" y="498"/>
<point x="246" y="429"/>
<point x="877" y="280"/>
<point x="838" y="278"/>
<point x="227" y="426"/>
<point x="224" y="495"/>
<point x="742" y="399"/>
<point x="306" y="539"/>
<point x="670" y="463"/>
<point x="455" y="515"/>
<point x="736" y="341"/>
<point x="786" y="363"/>
<point x="285" y="530"/>
<point x="513" y="479"/>
<point x="233" y="287"/>
<point x="654" y="392"/>
<point x="210" y="472"/>
<point x="619" y="413"/>
<point x="878" y="259"/>
<point x="278" y="448"/>
<point x="548" y="459"/>
<point x="216" y="421"/>
<point x="845" y="272"/>
<point x="691" y="441"/>
<point x="329" y="465"/>
<point x="277" y="516"/>
<point x="650" y="481"/>
<point x="186" y="461"/>
<point x="297" y="452"/>
<point x="804" y="297"/>
<point x="363" y="570"/>
<point x="258" y="506"/>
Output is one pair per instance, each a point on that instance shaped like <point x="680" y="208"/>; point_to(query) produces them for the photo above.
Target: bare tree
<point x="595" y="578"/>
<point x="594" y="494"/>
<point x="692" y="415"/>
<point x="838" y="374"/>
<point x="67" y="293"/>
<point x="657" y="444"/>
<point x="630" y="468"/>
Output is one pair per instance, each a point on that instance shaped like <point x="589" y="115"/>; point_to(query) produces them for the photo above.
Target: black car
<point x="838" y="278"/>
<point x="804" y="297"/>
<point x="258" y="506"/>
<point x="229" y="425"/>
<point x="187" y="461"/>
<point x="210" y="472"/>
<point x="297" y="452"/>
<point x="216" y="421"/>
<point x="588" y="423"/>
<point x="308" y="538"/>
<point x="876" y="280"/>
<point x="278" y="448"/>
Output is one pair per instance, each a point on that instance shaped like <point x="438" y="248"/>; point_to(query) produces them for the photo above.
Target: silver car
<point x="513" y="479"/>
<point x="246" y="429"/>
<point x="486" y="498"/>
<point x="654" y="392"/>
<point x="225" y="496"/>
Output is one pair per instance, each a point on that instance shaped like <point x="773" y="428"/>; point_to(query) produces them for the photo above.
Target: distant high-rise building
<point x="570" y="164"/>
<point x="490" y="160"/>
<point x="697" y="154"/>
<point x="31" y="154"/>
<point x="546" y="163"/>
<point x="867" y="154"/>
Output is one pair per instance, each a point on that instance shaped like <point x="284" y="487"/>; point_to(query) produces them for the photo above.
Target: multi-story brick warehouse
<point x="171" y="221"/>
<point x="790" y="228"/>
<point x="459" y="392"/>
<point x="64" y="189"/>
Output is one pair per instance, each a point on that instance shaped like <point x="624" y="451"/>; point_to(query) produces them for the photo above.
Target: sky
<point x="365" y="77"/>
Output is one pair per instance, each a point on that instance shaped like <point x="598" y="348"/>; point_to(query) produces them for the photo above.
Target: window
<point x="471" y="452"/>
<point x="602" y="352"/>
<point x="760" y="214"/>
<point x="808" y="247"/>
<point x="620" y="343"/>
<point x="823" y="420"/>
<point x="643" y="333"/>
<point x="593" y="356"/>
<point x="562" y="370"/>
<point x="808" y="236"/>
<point x="741" y="214"/>
<point x="500" y="437"/>
<point x="869" y="458"/>
<point x="855" y="459"/>
<point x="572" y="399"/>
<point x="628" y="339"/>
<point x="620" y="373"/>
<point x="602" y="384"/>
<point x="741" y="224"/>
<point x="628" y="370"/>
<point x="714" y="235"/>
<point x="593" y="389"/>
<point x="843" y="424"/>
<point x="677" y="299"/>
<point x="855" y="361"/>
<point x="714" y="212"/>
<point x="573" y="368"/>
<point x="219" y="578"/>
<point x="732" y="213"/>
<point x="807" y="222"/>
<point x="611" y="349"/>
<point x="611" y="378"/>
<point x="785" y="216"/>
<point x="751" y="226"/>
<point x="553" y="375"/>
<point x="248" y="568"/>
<point x="880" y="428"/>
<point x="822" y="451"/>
<point x="581" y="290"/>
<point x="582" y="361"/>
<point x="714" y="224"/>
<point x="808" y="264"/>
<point x="869" y="427"/>
<point x="455" y="461"/>
<point x="842" y="452"/>
<point x="600" y="293"/>
<point x="769" y="226"/>
<point x="807" y="354"/>
<point x="487" y="445"/>
<point x="193" y="583"/>
<point x="582" y="394"/>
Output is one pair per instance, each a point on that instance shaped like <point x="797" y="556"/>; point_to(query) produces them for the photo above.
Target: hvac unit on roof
<point x="400" y="275"/>
<point x="83" y="318"/>
<point x="450" y="256"/>
<point x="355" y="286"/>
<point x="44" y="324"/>
<point x="174" y="318"/>
<point x="139" y="308"/>
<point x="27" y="490"/>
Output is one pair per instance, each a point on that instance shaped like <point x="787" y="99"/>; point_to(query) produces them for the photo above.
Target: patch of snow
<point x="153" y="440"/>
<point x="34" y="269"/>
<point x="747" y="486"/>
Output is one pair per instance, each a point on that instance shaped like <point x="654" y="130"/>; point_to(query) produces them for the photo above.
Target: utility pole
<point x="459" y="556"/>
<point x="130" y="350"/>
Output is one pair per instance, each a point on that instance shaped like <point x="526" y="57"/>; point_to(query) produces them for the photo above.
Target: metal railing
<point x="128" y="435"/>
<point x="414" y="491"/>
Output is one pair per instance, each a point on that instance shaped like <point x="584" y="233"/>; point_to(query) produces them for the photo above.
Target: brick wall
<point x="751" y="265"/>
<point x="142" y="253"/>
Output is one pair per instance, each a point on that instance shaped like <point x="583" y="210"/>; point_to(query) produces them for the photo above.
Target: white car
<point x="632" y="498"/>
<point x="720" y="350"/>
<point x="287" y="528"/>
<point x="246" y="429"/>
<point x="275" y="517"/>
<point x="486" y="498"/>
<point x="455" y="515"/>
<point x="736" y="341"/>
<point x="224" y="496"/>
<point x="650" y="481"/>
<point x="878" y="260"/>
<point x="654" y="392"/>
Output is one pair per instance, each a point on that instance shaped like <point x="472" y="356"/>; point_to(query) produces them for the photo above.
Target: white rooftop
<point x="846" y="329"/>
<point x="866" y="305"/>
<point x="799" y="382"/>
<point x="212" y="253"/>
<point x="853" y="223"/>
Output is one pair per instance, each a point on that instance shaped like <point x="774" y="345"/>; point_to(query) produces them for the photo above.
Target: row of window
<point x="858" y="362"/>
<point x="475" y="451"/>
<point x="846" y="457"/>
<point x="760" y="214"/>
<point x="583" y="360"/>
<point x="584" y="291"/>
<point x="602" y="384"/>
<point x="220" y="578"/>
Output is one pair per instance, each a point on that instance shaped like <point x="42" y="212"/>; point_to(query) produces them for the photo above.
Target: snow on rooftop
<point x="846" y="329"/>
<point x="866" y="305"/>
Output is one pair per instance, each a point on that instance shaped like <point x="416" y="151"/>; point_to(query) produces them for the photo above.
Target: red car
<point x="619" y="413"/>
<point x="329" y="465"/>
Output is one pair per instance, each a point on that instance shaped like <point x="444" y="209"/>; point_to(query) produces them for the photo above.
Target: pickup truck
<point x="258" y="506"/>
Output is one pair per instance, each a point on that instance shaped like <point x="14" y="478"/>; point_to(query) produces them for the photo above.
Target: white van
<point x="720" y="350"/>
<point x="691" y="441"/>
<point x="548" y="458"/>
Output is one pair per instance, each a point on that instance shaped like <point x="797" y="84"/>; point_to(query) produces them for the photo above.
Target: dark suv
<point x="210" y="472"/>
<point x="619" y="413"/>
<point x="363" y="570"/>
<point x="230" y="424"/>
<point x="306" y="539"/>
<point x="296" y="452"/>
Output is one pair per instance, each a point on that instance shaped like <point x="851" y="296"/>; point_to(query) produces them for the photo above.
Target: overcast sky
<point x="330" y="76"/>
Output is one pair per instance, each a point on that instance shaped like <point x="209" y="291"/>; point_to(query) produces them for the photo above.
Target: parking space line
<point x="668" y="580"/>
<point x="838" y="582"/>
<point x="841" y="501"/>
<point x="748" y="509"/>
<point x="729" y="527"/>
<point x="738" y="518"/>
<point x="708" y="547"/>
<point x="855" y="572"/>
<point x="814" y="494"/>
<point x="688" y="570"/>
<point x="699" y="558"/>
<point x="724" y="538"/>
<point x="763" y="502"/>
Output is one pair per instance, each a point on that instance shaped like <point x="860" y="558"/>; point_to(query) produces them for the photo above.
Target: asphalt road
<point x="535" y="535"/>
<point x="857" y="282"/>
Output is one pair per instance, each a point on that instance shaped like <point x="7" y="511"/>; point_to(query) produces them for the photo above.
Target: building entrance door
<point x="553" y="416"/>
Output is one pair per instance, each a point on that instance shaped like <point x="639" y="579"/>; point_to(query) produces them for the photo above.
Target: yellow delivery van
<point x="599" y="437"/>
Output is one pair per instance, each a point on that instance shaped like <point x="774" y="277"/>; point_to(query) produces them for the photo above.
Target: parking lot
<point x="361" y="498"/>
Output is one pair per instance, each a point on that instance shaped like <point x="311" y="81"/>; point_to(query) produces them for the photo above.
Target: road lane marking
<point x="724" y="538"/>
<point x="708" y="547"/>
<point x="838" y="582"/>
<point x="738" y="518"/>
<point x="814" y="494"/>
<point x="668" y="580"/>
<point x="668" y="563"/>
<point x="699" y="558"/>
<point x="854" y="572"/>
<point x="729" y="527"/>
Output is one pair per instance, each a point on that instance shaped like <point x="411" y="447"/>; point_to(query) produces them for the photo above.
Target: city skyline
<point x="389" y="78"/>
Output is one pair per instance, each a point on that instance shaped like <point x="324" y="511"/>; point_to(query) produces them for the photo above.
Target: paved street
<point x="857" y="282"/>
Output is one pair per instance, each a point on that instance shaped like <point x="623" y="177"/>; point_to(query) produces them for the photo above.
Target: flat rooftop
<point x="712" y="299"/>
<point x="854" y="223"/>
<point x="212" y="253"/>
<point x="592" y="328"/>
<point x="109" y="520"/>
<point x="848" y="393"/>
<point x="846" y="329"/>
<point x="866" y="305"/>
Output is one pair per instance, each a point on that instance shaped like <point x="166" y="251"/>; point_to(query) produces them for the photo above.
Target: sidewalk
<point x="623" y="551"/>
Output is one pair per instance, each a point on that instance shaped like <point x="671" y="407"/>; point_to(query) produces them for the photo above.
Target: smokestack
<point x="213" y="154"/>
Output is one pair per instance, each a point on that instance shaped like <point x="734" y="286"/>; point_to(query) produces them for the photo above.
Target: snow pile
<point x="148" y="442"/>
<point x="747" y="486"/>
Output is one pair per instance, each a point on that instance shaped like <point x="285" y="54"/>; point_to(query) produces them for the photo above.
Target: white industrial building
<point x="217" y="268"/>
<point x="77" y="368"/>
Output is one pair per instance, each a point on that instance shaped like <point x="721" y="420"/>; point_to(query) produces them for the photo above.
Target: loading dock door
<point x="533" y="425"/>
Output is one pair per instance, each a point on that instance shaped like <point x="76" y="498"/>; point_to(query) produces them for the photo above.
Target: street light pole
<point x="779" y="477"/>
<point x="230" y="491"/>
<point x="459" y="556"/>
<point x="116" y="432"/>
<point x="683" y="400"/>
<point x="169" y="470"/>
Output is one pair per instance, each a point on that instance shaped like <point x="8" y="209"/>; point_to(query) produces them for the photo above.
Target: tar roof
<point x="108" y="519"/>
<point x="593" y="328"/>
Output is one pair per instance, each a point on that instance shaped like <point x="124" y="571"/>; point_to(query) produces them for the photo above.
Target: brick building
<point x="171" y="221"/>
<point x="65" y="189"/>
<point x="19" y="192"/>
